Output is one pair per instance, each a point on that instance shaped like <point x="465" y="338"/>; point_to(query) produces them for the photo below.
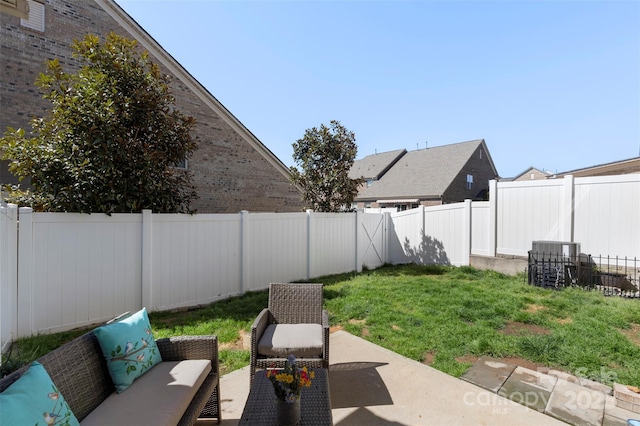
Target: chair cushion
<point x="160" y="397"/>
<point x="33" y="399"/>
<point x="301" y="340"/>
<point x="129" y="348"/>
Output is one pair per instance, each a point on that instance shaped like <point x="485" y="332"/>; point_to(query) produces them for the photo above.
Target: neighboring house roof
<point x="630" y="165"/>
<point x="526" y="174"/>
<point x="425" y="173"/>
<point x="375" y="165"/>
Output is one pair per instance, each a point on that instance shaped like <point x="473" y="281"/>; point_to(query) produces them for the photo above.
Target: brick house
<point x="432" y="176"/>
<point x="232" y="169"/>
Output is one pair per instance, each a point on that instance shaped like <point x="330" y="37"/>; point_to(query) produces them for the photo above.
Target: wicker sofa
<point x="79" y="371"/>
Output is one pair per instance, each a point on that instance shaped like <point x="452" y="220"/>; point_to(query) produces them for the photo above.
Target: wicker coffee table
<point x="315" y="405"/>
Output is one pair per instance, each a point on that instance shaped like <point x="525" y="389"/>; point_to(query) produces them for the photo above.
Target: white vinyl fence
<point x="68" y="270"/>
<point x="432" y="235"/>
<point x="600" y="213"/>
<point x="8" y="274"/>
<point x="79" y="269"/>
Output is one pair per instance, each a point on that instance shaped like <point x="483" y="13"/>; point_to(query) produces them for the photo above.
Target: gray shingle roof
<point x="375" y="165"/>
<point x="422" y="173"/>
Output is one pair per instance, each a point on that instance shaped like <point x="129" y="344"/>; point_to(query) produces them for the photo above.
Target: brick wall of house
<point x="479" y="166"/>
<point x="229" y="173"/>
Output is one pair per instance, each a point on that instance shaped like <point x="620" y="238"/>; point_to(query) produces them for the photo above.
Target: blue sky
<point x="549" y="84"/>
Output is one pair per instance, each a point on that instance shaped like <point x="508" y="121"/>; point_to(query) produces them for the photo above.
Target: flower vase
<point x="288" y="412"/>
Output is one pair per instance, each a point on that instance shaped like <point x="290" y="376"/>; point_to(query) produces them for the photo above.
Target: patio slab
<point x="488" y="373"/>
<point x="528" y="387"/>
<point x="576" y="405"/>
<point x="371" y="385"/>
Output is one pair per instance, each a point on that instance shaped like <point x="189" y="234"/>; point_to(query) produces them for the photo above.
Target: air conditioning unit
<point x="555" y="251"/>
<point x="554" y="263"/>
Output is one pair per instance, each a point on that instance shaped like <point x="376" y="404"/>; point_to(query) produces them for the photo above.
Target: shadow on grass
<point x="239" y="308"/>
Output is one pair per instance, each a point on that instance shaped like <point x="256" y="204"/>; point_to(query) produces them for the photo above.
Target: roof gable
<point x="374" y="166"/>
<point x="424" y="173"/>
<point x="147" y="42"/>
<point x="531" y="170"/>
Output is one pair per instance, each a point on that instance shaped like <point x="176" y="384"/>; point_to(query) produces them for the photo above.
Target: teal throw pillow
<point x="34" y="399"/>
<point x="129" y="348"/>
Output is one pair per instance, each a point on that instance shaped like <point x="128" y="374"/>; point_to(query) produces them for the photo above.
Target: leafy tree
<point x="111" y="140"/>
<point x="325" y="156"/>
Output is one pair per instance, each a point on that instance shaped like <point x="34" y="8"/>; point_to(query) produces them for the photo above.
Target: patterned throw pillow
<point x="34" y="399"/>
<point x="129" y="348"/>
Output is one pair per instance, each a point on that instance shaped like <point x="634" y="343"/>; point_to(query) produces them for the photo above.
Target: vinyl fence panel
<point x="372" y="232"/>
<point x="528" y="211"/>
<point x="406" y="231"/>
<point x="196" y="259"/>
<point x="277" y="249"/>
<point x="446" y="228"/>
<point x="607" y="215"/>
<point x="332" y="243"/>
<point x="480" y="228"/>
<point x="77" y="269"/>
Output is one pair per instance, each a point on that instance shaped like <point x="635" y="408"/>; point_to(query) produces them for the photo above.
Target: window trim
<point x="19" y="8"/>
<point x="36" y="18"/>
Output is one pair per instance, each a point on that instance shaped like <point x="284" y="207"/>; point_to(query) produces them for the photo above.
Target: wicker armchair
<point x="294" y="323"/>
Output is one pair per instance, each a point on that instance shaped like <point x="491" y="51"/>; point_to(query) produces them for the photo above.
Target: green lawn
<point x="444" y="316"/>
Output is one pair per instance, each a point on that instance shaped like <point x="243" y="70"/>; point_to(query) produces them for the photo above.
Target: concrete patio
<point x="371" y="385"/>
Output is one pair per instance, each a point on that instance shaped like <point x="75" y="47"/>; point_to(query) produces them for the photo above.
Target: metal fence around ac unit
<point x="560" y="264"/>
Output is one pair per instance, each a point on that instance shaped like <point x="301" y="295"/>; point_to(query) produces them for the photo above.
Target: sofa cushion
<point x="301" y="340"/>
<point x="160" y="397"/>
<point x="129" y="348"/>
<point x="34" y="399"/>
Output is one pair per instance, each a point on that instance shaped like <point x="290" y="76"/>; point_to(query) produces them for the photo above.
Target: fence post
<point x="147" y="260"/>
<point x="566" y="222"/>
<point x="423" y="221"/>
<point x="359" y="223"/>
<point x="493" y="217"/>
<point x="309" y="242"/>
<point x="25" y="270"/>
<point x="244" y="251"/>
<point x="9" y="276"/>
<point x="466" y="232"/>
<point x="386" y="237"/>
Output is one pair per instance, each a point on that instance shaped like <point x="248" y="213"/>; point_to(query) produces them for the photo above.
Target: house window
<point x="35" y="21"/>
<point x="370" y="182"/>
<point x="469" y="181"/>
